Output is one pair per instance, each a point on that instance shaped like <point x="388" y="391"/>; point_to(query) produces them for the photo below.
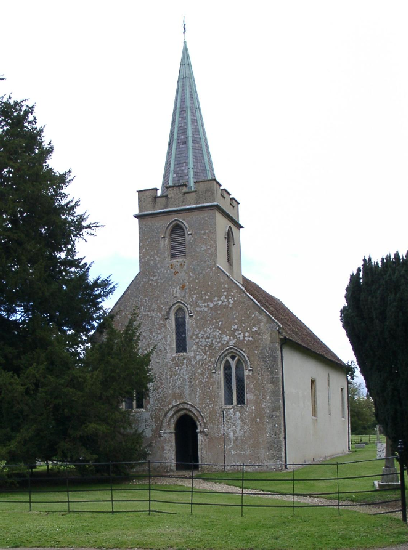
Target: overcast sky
<point x="306" y="113"/>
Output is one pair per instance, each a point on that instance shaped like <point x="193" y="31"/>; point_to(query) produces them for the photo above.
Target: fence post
<point x="338" y="490"/>
<point x="66" y="482"/>
<point x="401" y="460"/>
<point x="150" y="482"/>
<point x="192" y="487"/>
<point x="293" y="489"/>
<point x="111" y="487"/>
<point x="242" y="490"/>
<point x="29" y="488"/>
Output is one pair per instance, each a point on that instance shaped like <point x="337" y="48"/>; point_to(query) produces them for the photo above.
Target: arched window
<point x="181" y="330"/>
<point x="230" y="244"/>
<point x="233" y="374"/>
<point x="177" y="241"/>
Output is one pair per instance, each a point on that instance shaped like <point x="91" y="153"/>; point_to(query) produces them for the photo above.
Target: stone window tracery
<point x="233" y="373"/>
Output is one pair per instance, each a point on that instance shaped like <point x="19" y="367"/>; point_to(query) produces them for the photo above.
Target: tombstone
<point x="381" y="450"/>
<point x="389" y="478"/>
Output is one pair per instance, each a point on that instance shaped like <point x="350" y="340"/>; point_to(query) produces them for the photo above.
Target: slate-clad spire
<point x="188" y="155"/>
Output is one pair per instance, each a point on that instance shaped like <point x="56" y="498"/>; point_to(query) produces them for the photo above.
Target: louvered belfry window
<point x="177" y="241"/>
<point x="181" y="330"/>
<point x="233" y="380"/>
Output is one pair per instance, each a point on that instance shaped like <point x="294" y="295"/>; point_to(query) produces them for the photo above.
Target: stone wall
<point x="220" y="317"/>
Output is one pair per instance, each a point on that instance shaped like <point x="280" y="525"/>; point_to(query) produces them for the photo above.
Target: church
<point x="237" y="377"/>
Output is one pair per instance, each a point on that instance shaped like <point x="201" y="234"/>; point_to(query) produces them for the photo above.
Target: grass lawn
<point x="218" y="526"/>
<point x="320" y="479"/>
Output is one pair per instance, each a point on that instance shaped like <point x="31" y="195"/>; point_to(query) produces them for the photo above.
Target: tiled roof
<point x="292" y="327"/>
<point x="188" y="155"/>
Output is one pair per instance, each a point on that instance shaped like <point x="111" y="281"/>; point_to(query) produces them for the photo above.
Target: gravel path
<point x="203" y="484"/>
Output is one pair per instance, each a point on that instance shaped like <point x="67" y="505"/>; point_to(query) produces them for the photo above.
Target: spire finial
<point x="184" y="28"/>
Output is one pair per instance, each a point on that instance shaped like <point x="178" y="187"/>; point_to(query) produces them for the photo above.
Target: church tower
<point x="190" y="194"/>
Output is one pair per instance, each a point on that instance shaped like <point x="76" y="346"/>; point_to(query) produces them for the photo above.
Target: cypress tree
<point x="375" y="319"/>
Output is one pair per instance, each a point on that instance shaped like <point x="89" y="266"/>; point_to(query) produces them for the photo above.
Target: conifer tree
<point x="55" y="399"/>
<point x="375" y="319"/>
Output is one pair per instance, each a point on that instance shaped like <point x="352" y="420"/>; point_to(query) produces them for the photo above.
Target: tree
<point x="112" y="369"/>
<point x="51" y="387"/>
<point x="362" y="414"/>
<point x="41" y="276"/>
<point x="375" y="319"/>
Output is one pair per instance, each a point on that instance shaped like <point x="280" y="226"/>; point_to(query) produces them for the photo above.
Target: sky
<point x="305" y="109"/>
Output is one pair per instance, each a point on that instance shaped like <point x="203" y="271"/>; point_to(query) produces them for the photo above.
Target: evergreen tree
<point x="375" y="319"/>
<point x="51" y="388"/>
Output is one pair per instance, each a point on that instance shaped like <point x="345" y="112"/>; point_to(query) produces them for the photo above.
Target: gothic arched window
<point x="181" y="330"/>
<point x="177" y="241"/>
<point x="233" y="375"/>
<point x="230" y="243"/>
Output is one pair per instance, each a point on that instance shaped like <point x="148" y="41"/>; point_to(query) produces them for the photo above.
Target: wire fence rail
<point x="162" y="487"/>
<point x="367" y="438"/>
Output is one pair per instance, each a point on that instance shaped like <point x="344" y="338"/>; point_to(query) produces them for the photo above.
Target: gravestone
<point x="381" y="448"/>
<point x="389" y="478"/>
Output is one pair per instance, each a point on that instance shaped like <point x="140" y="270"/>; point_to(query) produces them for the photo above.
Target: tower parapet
<point x="207" y="193"/>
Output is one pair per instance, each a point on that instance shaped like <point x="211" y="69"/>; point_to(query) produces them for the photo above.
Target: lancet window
<point x="230" y="244"/>
<point x="180" y="325"/>
<point x="313" y="397"/>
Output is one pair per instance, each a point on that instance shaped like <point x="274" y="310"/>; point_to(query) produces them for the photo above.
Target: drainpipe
<point x="223" y="431"/>
<point x="282" y="343"/>
<point x="348" y="416"/>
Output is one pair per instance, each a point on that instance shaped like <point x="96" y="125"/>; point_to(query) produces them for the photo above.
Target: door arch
<point x="186" y="434"/>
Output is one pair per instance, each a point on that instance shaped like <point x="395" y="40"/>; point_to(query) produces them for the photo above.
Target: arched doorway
<point x="186" y="443"/>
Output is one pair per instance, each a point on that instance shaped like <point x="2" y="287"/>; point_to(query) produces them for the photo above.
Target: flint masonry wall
<point x="221" y="316"/>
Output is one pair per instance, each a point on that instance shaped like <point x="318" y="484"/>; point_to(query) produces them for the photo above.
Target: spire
<point x="188" y="155"/>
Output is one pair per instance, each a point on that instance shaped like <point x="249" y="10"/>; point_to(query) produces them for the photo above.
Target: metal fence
<point x="160" y="487"/>
<point x="370" y="438"/>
